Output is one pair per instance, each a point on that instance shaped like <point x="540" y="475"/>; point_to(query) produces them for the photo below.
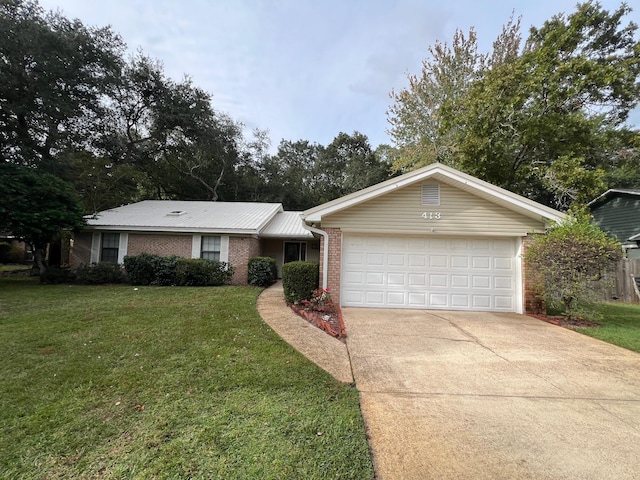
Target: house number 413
<point x="431" y="215"/>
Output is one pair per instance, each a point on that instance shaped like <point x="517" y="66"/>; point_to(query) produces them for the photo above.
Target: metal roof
<point x="187" y="216"/>
<point x="286" y="224"/>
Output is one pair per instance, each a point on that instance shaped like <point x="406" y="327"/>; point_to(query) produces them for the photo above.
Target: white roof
<point x="442" y="173"/>
<point x="187" y="216"/>
<point x="286" y="224"/>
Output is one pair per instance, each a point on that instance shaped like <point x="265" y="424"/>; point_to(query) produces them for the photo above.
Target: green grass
<point x="164" y="382"/>
<point x="14" y="267"/>
<point x="619" y="325"/>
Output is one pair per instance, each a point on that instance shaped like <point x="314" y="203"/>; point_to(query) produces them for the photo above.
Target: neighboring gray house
<point x="617" y="212"/>
<point x="230" y="232"/>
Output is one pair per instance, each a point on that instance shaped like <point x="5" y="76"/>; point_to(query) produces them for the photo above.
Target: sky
<point x="305" y="69"/>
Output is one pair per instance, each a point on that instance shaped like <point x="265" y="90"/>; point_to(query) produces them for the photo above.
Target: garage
<point x="434" y="238"/>
<point x="453" y="273"/>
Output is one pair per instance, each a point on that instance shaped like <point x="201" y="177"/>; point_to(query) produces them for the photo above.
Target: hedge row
<point x="147" y="269"/>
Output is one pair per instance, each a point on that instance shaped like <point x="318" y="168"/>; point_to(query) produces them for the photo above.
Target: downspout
<point x="325" y="253"/>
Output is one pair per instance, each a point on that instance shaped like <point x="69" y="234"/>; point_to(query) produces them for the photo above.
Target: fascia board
<point x="131" y="228"/>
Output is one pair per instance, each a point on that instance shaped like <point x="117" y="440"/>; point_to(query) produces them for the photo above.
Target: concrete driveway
<point x="453" y="395"/>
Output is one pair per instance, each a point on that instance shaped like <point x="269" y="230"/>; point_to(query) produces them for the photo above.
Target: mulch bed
<point x="329" y="321"/>
<point x="561" y="321"/>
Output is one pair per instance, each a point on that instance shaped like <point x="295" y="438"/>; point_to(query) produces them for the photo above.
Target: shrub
<point x="262" y="271"/>
<point x="202" y="272"/>
<point x="166" y="270"/>
<point x="56" y="275"/>
<point x="568" y="266"/>
<point x="99" y="273"/>
<point x="141" y="269"/>
<point x="299" y="280"/>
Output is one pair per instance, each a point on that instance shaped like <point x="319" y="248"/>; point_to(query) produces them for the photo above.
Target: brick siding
<point x="533" y="301"/>
<point x="335" y="261"/>
<point x="81" y="251"/>
<point x="163" y="245"/>
<point x="241" y="249"/>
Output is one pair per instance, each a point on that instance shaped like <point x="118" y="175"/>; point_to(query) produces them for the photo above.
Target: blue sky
<point x="304" y="69"/>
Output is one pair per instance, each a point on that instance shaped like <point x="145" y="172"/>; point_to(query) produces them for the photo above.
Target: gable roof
<point x="286" y="224"/>
<point x="187" y="216"/>
<point x="612" y="192"/>
<point x="444" y="174"/>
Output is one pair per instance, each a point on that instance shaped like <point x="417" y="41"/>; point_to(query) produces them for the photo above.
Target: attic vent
<point x="176" y="213"/>
<point x="430" y="194"/>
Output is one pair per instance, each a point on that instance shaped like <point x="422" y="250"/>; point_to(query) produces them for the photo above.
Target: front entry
<point x="295" y="251"/>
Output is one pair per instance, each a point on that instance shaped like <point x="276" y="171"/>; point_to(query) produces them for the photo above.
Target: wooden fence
<point x="623" y="290"/>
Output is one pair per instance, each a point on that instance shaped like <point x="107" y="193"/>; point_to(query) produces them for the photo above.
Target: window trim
<point x="115" y="236"/>
<point x="216" y="253"/>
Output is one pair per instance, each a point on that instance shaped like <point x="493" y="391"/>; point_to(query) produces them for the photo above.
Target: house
<point x="229" y="232"/>
<point x="617" y="212"/>
<point x="434" y="238"/>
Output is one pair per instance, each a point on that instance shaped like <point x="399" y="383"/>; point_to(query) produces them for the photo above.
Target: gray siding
<point x="460" y="213"/>
<point x="619" y="216"/>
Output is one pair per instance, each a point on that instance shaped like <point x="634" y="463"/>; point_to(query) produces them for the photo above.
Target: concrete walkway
<point x="325" y="351"/>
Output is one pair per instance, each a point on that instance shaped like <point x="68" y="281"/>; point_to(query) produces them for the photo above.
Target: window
<point x="294" y="251"/>
<point x="210" y="248"/>
<point x="430" y="194"/>
<point x="110" y="245"/>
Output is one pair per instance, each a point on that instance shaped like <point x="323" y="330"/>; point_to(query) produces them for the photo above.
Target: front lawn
<point x="164" y="382"/>
<point x="619" y="325"/>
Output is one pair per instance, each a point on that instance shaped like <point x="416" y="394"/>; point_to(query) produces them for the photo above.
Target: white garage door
<point x="434" y="273"/>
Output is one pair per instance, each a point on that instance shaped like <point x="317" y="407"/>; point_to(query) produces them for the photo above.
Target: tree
<point x="36" y="207"/>
<point x="568" y="265"/>
<point x="558" y="105"/>
<point x="418" y="117"/>
<point x="170" y="132"/>
<point x="346" y="165"/>
<point x="54" y="76"/>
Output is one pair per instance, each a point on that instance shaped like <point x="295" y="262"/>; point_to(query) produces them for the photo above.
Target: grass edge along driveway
<point x="158" y="382"/>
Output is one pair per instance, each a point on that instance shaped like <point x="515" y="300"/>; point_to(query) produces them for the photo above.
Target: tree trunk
<point x="39" y="258"/>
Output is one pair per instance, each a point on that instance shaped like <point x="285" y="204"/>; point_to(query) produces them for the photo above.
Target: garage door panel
<point x="417" y="279"/>
<point x="417" y="260"/>
<point x="438" y="280"/>
<point x="422" y="272"/>
<point x="459" y="281"/>
<point x="417" y="300"/>
<point x="396" y="279"/>
<point x="438" y="261"/>
<point x="396" y="299"/>
<point x="394" y="260"/>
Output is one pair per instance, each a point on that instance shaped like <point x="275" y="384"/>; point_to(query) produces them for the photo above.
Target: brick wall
<point x="81" y="250"/>
<point x="533" y="302"/>
<point x="241" y="249"/>
<point x="335" y="261"/>
<point x="163" y="245"/>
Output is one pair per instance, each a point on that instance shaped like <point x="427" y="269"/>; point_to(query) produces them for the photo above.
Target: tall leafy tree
<point x="419" y="115"/>
<point x="54" y="76"/>
<point x="36" y="206"/>
<point x="170" y="132"/>
<point x="548" y="121"/>
<point x="346" y="165"/>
